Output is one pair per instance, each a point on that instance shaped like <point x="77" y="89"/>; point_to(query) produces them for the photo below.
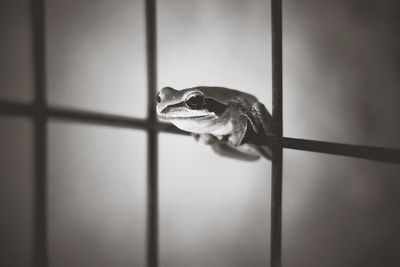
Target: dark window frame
<point x="40" y="113"/>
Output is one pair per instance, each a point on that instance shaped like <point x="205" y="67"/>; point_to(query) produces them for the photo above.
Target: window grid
<point x="40" y="113"/>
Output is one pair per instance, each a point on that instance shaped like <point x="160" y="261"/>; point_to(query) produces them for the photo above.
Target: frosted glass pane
<point x="339" y="211"/>
<point x="16" y="69"/>
<point x="96" y="196"/>
<point x="341" y="79"/>
<point x="16" y="192"/>
<point x="214" y="211"/>
<point x="96" y="55"/>
<point x="221" y="43"/>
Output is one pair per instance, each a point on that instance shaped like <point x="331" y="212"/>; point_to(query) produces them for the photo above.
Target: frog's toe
<point x="196" y="136"/>
<point x="235" y="139"/>
<point x="206" y="138"/>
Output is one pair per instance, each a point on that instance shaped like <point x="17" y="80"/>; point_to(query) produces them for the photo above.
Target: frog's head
<point x="194" y="109"/>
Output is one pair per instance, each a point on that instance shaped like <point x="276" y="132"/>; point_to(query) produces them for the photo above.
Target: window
<point x="80" y="142"/>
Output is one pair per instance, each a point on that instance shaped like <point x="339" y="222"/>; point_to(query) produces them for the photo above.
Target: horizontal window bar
<point x="98" y="118"/>
<point x="14" y="108"/>
<point x="21" y="109"/>
<point x="390" y="155"/>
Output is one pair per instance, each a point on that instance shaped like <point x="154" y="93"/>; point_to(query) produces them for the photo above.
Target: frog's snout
<point x="162" y="98"/>
<point x="164" y="92"/>
<point x="158" y="97"/>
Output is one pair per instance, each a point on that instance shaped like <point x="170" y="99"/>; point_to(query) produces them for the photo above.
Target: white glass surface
<point x="339" y="211"/>
<point x="214" y="211"/>
<point x="96" y="55"/>
<point x="96" y="196"/>
<point x="16" y="192"/>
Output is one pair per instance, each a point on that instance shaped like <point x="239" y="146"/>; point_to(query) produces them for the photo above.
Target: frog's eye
<point x="195" y="100"/>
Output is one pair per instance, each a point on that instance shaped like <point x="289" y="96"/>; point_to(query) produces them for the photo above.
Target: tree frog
<point x="226" y="119"/>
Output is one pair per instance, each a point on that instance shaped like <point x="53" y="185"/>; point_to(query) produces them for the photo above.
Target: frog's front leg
<point x="256" y="120"/>
<point x="249" y="125"/>
<point x="238" y="121"/>
<point x="263" y="127"/>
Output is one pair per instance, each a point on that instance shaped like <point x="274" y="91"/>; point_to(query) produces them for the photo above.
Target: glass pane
<point x="340" y="71"/>
<point x="16" y="192"/>
<point x="215" y="43"/>
<point x="16" y="69"/>
<point x="96" y="55"/>
<point x="97" y="196"/>
<point x="340" y="211"/>
<point x="214" y="211"/>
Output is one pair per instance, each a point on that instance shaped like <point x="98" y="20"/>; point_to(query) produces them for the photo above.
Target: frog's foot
<point x="240" y="125"/>
<point x="206" y="138"/>
<point x="263" y="122"/>
<point x="236" y="138"/>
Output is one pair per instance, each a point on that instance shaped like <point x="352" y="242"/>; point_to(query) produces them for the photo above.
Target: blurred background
<point x="341" y="84"/>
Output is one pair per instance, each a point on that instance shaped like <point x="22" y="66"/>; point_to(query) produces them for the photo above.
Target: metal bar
<point x="152" y="200"/>
<point x="40" y="234"/>
<point x="276" y="168"/>
<point x="99" y="118"/>
<point x="40" y="133"/>
<point x="152" y="148"/>
<point x="19" y="109"/>
<point x="389" y="155"/>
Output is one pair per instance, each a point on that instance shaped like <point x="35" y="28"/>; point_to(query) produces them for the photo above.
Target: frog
<point x="228" y="120"/>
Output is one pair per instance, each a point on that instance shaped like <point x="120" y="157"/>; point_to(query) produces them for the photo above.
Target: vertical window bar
<point x="40" y="133"/>
<point x="152" y="149"/>
<point x="276" y="172"/>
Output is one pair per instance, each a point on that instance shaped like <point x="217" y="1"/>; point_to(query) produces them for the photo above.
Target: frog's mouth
<point x="180" y="111"/>
<point x="177" y="114"/>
